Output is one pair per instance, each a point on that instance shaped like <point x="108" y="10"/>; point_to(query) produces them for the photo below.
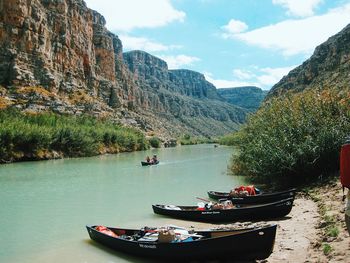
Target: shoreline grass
<point x="48" y="135"/>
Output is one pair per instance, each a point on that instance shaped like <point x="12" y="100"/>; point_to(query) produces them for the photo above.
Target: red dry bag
<point x="345" y="165"/>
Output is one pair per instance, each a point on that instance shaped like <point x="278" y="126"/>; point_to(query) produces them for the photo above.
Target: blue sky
<point x="232" y="42"/>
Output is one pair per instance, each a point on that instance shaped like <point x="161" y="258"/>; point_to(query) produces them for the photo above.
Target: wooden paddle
<point x="202" y="199"/>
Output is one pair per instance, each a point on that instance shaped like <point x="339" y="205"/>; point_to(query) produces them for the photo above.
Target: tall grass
<point x="295" y="137"/>
<point x="229" y="139"/>
<point x="24" y="136"/>
<point x="188" y="140"/>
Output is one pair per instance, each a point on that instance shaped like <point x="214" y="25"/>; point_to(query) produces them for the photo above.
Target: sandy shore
<point x="295" y="233"/>
<point x="305" y="234"/>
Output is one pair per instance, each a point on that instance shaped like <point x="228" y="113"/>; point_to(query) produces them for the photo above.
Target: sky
<point x="232" y="42"/>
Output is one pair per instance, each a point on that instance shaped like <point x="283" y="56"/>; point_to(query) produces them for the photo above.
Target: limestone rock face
<point x="58" y="55"/>
<point x="146" y="67"/>
<point x="154" y="72"/>
<point x="193" y="84"/>
<point x="59" y="44"/>
<point x="182" y="96"/>
<point x="329" y="66"/>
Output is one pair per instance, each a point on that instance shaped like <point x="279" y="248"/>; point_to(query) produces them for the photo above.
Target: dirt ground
<point x="307" y="236"/>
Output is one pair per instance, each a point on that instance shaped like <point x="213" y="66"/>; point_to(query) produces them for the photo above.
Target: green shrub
<point x="229" y="139"/>
<point x="295" y="137"/>
<point x="327" y="249"/>
<point x="23" y="135"/>
<point x="188" y="140"/>
<point x="74" y="142"/>
<point x="332" y="231"/>
<point x="154" y="142"/>
<point x="187" y="137"/>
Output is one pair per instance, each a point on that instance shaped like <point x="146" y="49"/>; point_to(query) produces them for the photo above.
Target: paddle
<point x="202" y="199"/>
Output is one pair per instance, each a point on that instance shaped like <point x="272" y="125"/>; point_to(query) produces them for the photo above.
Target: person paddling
<point x="154" y="159"/>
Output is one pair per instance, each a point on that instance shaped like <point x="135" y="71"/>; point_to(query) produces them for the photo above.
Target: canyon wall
<point x="57" y="55"/>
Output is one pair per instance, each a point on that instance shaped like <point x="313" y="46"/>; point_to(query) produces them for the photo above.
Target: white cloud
<point x="263" y="78"/>
<point x="124" y="15"/>
<point x="145" y="44"/>
<point x="222" y="83"/>
<point x="179" y="61"/>
<point x="301" y="36"/>
<point x="234" y="27"/>
<point x="242" y="74"/>
<point x="300" y="8"/>
<point x="271" y="76"/>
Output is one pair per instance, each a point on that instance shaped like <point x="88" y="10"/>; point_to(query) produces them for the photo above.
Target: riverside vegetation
<point x="48" y="135"/>
<point x="296" y="139"/>
<point x="40" y="136"/>
<point x="293" y="138"/>
<point x="187" y="139"/>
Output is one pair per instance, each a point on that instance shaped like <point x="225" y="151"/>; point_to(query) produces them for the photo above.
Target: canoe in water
<point x="148" y="163"/>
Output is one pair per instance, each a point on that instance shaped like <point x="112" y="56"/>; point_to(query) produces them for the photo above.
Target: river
<point x="44" y="206"/>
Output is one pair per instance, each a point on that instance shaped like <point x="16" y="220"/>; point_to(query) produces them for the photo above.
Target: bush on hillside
<point x="295" y="137"/>
<point x="154" y="142"/>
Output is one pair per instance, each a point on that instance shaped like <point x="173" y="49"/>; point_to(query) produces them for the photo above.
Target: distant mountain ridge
<point x="182" y="96"/>
<point x="247" y="97"/>
<point x="59" y="56"/>
<point x="329" y="66"/>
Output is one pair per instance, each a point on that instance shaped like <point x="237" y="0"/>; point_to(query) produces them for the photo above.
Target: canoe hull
<point x="248" y="245"/>
<point x="254" y="212"/>
<point x="148" y="164"/>
<point x="254" y="199"/>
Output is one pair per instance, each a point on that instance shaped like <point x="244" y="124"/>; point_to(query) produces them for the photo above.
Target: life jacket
<point x="249" y="188"/>
<point x="106" y="231"/>
<point x="345" y="166"/>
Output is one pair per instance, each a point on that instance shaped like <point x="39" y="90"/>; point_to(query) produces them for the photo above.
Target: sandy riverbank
<point x="295" y="233"/>
<point x="305" y="234"/>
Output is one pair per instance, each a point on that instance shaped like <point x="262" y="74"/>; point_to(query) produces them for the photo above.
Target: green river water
<point x="44" y="206"/>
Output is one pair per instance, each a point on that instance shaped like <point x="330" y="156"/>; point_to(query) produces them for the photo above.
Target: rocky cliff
<point x="182" y="96"/>
<point x="193" y="84"/>
<point x="63" y="46"/>
<point x="329" y="66"/>
<point x="58" y="55"/>
<point x="248" y="97"/>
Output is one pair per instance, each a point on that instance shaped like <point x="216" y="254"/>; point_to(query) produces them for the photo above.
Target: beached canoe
<point x="254" y="199"/>
<point x="239" y="244"/>
<point x="242" y="212"/>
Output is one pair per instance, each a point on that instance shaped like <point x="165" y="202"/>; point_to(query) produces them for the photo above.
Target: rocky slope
<point x="248" y="97"/>
<point x="64" y="47"/>
<point x="182" y="96"/>
<point x="58" y="55"/>
<point x="329" y="66"/>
